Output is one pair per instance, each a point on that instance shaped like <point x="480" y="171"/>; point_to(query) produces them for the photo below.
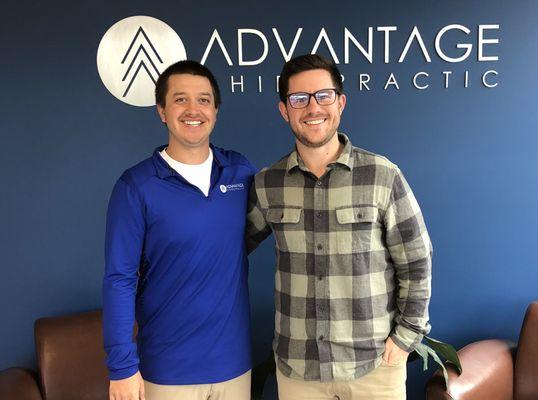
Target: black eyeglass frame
<point x="314" y="95"/>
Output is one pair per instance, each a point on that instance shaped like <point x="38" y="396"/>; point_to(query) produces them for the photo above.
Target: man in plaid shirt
<point x="353" y="255"/>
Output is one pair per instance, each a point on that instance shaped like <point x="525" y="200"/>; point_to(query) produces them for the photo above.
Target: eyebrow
<point x="200" y="94"/>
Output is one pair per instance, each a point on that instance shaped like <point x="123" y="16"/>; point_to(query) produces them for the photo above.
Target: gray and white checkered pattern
<point x="353" y="262"/>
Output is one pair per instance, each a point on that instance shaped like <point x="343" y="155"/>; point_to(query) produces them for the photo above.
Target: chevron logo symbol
<point x="138" y="58"/>
<point x="133" y="53"/>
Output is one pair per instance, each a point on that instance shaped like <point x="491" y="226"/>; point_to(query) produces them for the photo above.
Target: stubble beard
<point x="304" y="140"/>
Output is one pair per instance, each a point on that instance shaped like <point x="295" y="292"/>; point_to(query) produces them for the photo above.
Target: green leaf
<point x="437" y="350"/>
<point x="446" y="351"/>
<point x="422" y="351"/>
<point x="438" y="361"/>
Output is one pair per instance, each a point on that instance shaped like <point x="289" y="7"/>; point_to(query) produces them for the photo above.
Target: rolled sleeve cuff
<point x="405" y="338"/>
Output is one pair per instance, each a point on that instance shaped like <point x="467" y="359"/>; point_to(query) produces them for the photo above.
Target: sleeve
<point x="125" y="229"/>
<point x="257" y="228"/>
<point x="410" y="248"/>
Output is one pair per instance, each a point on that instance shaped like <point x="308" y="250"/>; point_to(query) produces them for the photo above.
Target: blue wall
<point x="468" y="153"/>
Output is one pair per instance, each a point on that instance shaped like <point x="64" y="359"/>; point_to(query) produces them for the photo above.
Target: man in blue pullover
<point x="176" y="260"/>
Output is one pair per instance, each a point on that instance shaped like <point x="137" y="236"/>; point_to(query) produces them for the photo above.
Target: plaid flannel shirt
<point x="353" y="262"/>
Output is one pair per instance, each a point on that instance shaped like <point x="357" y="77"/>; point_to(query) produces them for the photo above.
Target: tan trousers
<point x="234" y="389"/>
<point x="386" y="382"/>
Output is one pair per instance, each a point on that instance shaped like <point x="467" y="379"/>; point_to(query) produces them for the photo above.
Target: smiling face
<point x="189" y="111"/>
<point x="314" y="125"/>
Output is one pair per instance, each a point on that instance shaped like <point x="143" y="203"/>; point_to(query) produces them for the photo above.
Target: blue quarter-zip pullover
<point x="176" y="260"/>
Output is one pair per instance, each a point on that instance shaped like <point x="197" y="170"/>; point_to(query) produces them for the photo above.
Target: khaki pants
<point x="386" y="382"/>
<point x="234" y="389"/>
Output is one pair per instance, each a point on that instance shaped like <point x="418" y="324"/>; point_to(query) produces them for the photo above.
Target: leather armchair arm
<point x="488" y="370"/>
<point x="526" y="378"/>
<point x="18" y="384"/>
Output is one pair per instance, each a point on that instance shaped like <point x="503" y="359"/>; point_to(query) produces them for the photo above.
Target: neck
<point x="188" y="155"/>
<point x="316" y="159"/>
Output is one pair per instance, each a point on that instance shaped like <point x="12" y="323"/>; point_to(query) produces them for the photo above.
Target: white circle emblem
<point x="223" y="189"/>
<point x="133" y="53"/>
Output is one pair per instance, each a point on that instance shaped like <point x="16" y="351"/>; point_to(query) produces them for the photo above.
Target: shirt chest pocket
<point x="288" y="227"/>
<point x="358" y="229"/>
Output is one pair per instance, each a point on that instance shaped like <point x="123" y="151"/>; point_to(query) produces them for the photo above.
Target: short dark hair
<point x="304" y="63"/>
<point x="184" y="67"/>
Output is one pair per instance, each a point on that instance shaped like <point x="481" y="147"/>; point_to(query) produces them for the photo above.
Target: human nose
<point x="192" y="107"/>
<point x="312" y="104"/>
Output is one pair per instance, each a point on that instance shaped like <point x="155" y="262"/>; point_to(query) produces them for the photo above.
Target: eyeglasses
<point x="324" y="97"/>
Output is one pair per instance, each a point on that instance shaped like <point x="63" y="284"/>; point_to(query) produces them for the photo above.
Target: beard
<point x="308" y="143"/>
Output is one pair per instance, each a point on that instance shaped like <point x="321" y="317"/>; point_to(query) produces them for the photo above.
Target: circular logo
<point x="223" y="189"/>
<point x="133" y="53"/>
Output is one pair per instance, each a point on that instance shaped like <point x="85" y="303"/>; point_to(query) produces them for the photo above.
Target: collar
<point x="164" y="170"/>
<point x="345" y="159"/>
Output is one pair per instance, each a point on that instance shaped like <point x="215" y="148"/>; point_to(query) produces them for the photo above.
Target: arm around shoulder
<point x="257" y="228"/>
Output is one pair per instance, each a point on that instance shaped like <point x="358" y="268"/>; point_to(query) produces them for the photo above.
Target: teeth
<point x="315" y="122"/>
<point x="194" y="123"/>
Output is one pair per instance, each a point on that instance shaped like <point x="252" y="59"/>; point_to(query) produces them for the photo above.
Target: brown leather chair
<point x="70" y="361"/>
<point x="494" y="369"/>
<point x="18" y="384"/>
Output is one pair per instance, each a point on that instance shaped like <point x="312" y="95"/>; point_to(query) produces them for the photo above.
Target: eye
<point x="205" y="101"/>
<point x="323" y="95"/>
<point x="299" y="98"/>
<point x="180" y="99"/>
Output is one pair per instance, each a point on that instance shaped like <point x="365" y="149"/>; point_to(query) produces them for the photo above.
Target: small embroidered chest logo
<point x="231" y="188"/>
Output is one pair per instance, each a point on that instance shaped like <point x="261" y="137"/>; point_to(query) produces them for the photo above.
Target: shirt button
<point x="319" y="183"/>
<point x="320" y="277"/>
<point x="320" y="247"/>
<point x="318" y="214"/>
<point x="321" y="337"/>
